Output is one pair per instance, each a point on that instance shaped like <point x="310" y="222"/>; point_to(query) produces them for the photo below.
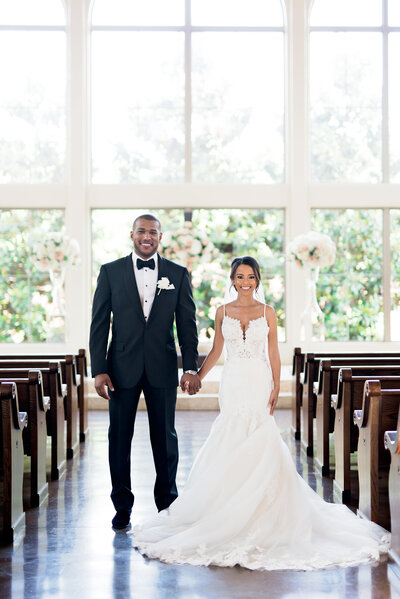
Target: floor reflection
<point x="69" y="548"/>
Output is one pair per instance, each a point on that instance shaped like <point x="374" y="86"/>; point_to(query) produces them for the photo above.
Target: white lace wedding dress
<point x="244" y="502"/>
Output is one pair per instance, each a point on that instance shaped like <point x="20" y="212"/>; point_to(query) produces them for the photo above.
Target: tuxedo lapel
<point x="161" y="273"/>
<point x="130" y="282"/>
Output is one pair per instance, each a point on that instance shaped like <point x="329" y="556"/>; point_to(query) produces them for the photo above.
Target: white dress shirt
<point x="146" y="281"/>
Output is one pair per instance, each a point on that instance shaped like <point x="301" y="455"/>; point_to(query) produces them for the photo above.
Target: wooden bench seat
<point x="82" y="371"/>
<point x="349" y="397"/>
<point x="55" y="389"/>
<point x="12" y="423"/>
<point x="33" y="401"/>
<point x="306" y="395"/>
<point x="379" y="413"/>
<point x="71" y="380"/>
<point x="325" y="386"/>
<point x="392" y="443"/>
<point x="297" y="391"/>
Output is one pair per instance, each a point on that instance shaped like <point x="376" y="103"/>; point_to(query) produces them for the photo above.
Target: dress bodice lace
<point x="251" y="343"/>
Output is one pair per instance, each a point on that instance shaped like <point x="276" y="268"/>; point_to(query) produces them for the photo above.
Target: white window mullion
<point x="188" y="93"/>
<point x="297" y="157"/>
<point x="385" y="96"/>
<point x="77" y="217"/>
<point x="386" y="275"/>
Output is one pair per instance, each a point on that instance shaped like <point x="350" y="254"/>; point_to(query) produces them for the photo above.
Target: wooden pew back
<point x="12" y="423"/>
<point x="33" y="401"/>
<point x="72" y="381"/>
<point x="379" y="413"/>
<point x="55" y="390"/>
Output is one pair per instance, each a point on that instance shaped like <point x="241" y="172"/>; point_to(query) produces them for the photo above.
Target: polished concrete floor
<point x="69" y="549"/>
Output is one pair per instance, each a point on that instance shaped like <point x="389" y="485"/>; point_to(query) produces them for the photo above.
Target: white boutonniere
<point x="164" y="283"/>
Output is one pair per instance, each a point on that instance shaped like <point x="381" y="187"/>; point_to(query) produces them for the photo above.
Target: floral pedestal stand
<point x="312" y="319"/>
<point x="56" y="309"/>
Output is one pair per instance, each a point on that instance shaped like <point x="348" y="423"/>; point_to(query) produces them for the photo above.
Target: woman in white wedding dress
<point x="244" y="502"/>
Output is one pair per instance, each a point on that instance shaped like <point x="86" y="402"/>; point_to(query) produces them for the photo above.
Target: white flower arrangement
<point x="312" y="249"/>
<point x="56" y="251"/>
<point x="164" y="283"/>
<point x="188" y="246"/>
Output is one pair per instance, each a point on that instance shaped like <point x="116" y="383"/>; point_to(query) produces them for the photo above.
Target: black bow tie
<point x="145" y="264"/>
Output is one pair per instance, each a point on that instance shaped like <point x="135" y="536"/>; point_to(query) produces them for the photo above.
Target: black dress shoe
<point x="121" y="519"/>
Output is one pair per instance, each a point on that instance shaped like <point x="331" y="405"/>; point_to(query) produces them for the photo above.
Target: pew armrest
<point x="46" y="403"/>
<point x="358" y="418"/>
<point x="391" y="442"/>
<point x="23" y="419"/>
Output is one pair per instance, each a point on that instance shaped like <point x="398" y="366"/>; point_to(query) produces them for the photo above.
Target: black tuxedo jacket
<point x="137" y="345"/>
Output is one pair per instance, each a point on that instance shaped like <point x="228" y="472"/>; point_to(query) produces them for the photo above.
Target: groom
<point x="141" y="295"/>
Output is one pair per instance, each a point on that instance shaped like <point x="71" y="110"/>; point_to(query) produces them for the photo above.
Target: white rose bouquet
<point x="312" y="249"/>
<point x="56" y="251"/>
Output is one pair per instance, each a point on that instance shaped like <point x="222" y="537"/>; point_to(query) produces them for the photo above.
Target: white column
<point x="298" y="213"/>
<point x="77" y="212"/>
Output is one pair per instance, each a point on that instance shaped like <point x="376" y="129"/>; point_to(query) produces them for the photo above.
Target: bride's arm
<point x="274" y="358"/>
<point x="217" y="347"/>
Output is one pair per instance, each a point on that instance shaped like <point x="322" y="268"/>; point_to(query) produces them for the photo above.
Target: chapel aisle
<point x="69" y="549"/>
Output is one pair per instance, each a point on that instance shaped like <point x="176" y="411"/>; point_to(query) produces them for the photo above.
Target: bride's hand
<point x="273" y="398"/>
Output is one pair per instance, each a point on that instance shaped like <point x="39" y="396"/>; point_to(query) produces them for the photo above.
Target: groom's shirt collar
<point x="146" y="281"/>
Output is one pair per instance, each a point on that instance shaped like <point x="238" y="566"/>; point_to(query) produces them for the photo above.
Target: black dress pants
<point x="164" y="442"/>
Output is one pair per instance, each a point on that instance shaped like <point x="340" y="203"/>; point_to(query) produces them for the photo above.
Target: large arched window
<point x="354" y="91"/>
<point x="32" y="91"/>
<point x="189" y="93"/>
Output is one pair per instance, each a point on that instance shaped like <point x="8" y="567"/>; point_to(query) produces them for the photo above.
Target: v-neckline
<point x="244" y="330"/>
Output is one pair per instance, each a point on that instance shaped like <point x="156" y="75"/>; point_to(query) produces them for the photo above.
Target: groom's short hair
<point x="147" y="217"/>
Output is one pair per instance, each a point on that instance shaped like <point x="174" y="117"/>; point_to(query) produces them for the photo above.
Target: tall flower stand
<point x="56" y="309"/>
<point x="312" y="319"/>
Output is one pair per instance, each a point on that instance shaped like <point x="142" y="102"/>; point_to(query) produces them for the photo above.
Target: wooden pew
<point x="349" y="397"/>
<point x="379" y="413"/>
<point x="33" y="401"/>
<point x="392" y="444"/>
<point x="53" y="388"/>
<point x="70" y="378"/>
<point x="83" y="395"/>
<point x="12" y="423"/>
<point x="81" y="369"/>
<point x="326" y="387"/>
<point x="309" y="399"/>
<point x="297" y="391"/>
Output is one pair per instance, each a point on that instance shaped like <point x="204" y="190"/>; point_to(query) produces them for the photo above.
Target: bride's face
<point x="245" y="280"/>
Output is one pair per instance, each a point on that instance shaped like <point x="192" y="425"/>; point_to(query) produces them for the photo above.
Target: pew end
<point x="12" y="423"/>
<point x="392" y="444"/>
<point x="379" y="413"/>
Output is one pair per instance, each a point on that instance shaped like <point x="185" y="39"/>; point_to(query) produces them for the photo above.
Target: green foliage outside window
<point x="350" y="292"/>
<point x="25" y="292"/>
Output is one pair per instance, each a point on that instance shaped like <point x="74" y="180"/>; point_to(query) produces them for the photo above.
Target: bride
<point x="244" y="502"/>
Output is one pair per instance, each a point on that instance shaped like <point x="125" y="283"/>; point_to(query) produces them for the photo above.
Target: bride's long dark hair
<point x="248" y="261"/>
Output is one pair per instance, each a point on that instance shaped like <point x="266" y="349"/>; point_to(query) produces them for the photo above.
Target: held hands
<point x="101" y="382"/>
<point x="190" y="383"/>
<point x="273" y="398"/>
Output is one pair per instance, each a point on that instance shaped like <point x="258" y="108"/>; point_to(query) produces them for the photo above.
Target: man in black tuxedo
<point x="141" y="295"/>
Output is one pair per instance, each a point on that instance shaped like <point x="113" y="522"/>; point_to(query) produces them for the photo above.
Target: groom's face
<point x="146" y="236"/>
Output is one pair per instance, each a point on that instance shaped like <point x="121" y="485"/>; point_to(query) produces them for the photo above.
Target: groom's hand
<point x="190" y="383"/>
<point x="101" y="382"/>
